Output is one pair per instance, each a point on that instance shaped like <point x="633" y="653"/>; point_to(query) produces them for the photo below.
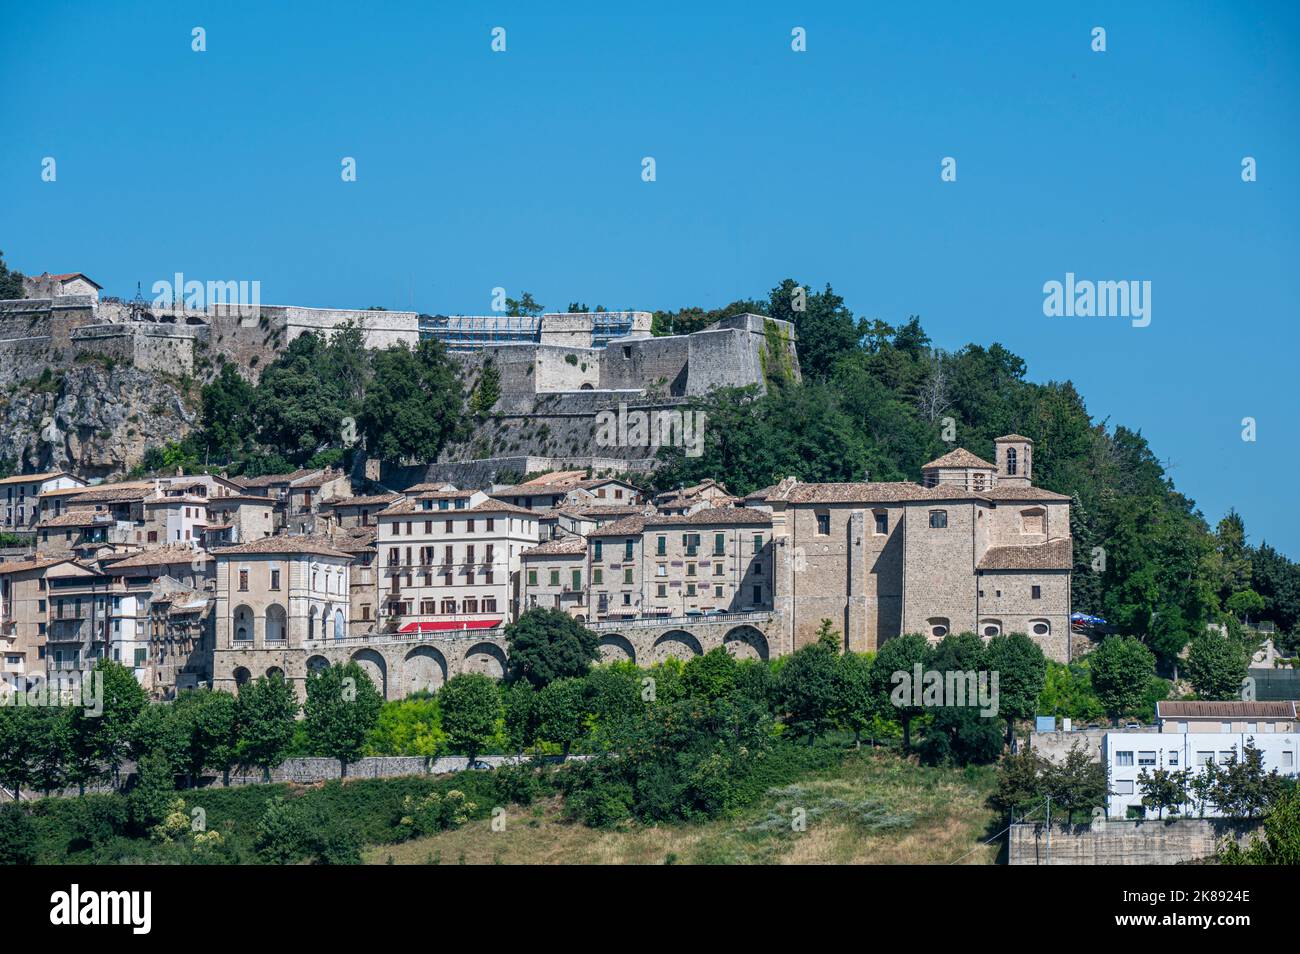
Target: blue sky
<point x="522" y="169"/>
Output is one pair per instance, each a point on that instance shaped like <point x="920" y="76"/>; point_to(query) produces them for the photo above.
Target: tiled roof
<point x="355" y="540"/>
<point x="960" y="457"/>
<point x="1053" y="555"/>
<point x="565" y="477"/>
<point x="627" y="527"/>
<point x="1013" y="437"/>
<point x="1222" y="710"/>
<point x="32" y="478"/>
<point x="283" y="543"/>
<point x="880" y="492"/>
<point x="712" y="516"/>
<point x="499" y="506"/>
<point x="558" y="546"/>
<point x="374" y="500"/>
<point x="1003" y="492"/>
<point x="158" y="556"/>
<point x="268" y="480"/>
<point x="35" y="563"/>
<point x="316" y="480"/>
<point x="75" y="518"/>
<point x="235" y="499"/>
<point x="133" y="490"/>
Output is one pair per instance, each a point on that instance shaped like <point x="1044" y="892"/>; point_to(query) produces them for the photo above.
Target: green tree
<point x="1281" y="842"/>
<point x="523" y="305"/>
<point x="1077" y="783"/>
<point x="410" y="726"/>
<point x="342" y="709"/>
<point x="18" y="836"/>
<point x="546" y="644"/>
<point x="103" y="737"/>
<point x="212" y="740"/>
<point x="519" y="703"/>
<point x="1022" y="673"/>
<point x="228" y="425"/>
<point x="488" y="390"/>
<point x="414" y="404"/>
<point x="1121" y="667"/>
<point x="855" y="701"/>
<point x="711" y="675"/>
<point x="18" y="740"/>
<point x="1216" y="667"/>
<point x="471" y="706"/>
<point x="1163" y="790"/>
<point x="806" y="690"/>
<point x="302" y="403"/>
<point x="1020" y="785"/>
<point x="11" y="281"/>
<point x="562" y="713"/>
<point x="899" y="657"/>
<point x="265" y="710"/>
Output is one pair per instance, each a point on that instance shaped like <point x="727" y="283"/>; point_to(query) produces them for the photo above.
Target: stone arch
<point x="936" y="628"/>
<point x="311" y="623"/>
<point x="242" y="676"/>
<point x="990" y="628"/>
<point x="275" y="672"/>
<point x="746" y="642"/>
<point x="676" y="644"/>
<point x="317" y="663"/>
<point x="616" y="648"/>
<point x="241" y="626"/>
<point x="340" y="624"/>
<point x="486" y="658"/>
<point x="374" y="666"/>
<point x="276" y="623"/>
<point x="424" y="668"/>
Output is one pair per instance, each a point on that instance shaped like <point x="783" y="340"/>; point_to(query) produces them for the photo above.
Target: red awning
<point x="445" y="625"/>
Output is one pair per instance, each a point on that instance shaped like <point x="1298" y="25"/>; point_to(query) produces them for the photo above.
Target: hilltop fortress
<point x="557" y="372"/>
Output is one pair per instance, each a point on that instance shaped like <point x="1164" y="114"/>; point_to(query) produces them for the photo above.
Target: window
<point x="719" y="544"/>
<point x="938" y="626"/>
<point x="577" y="579"/>
<point x="758" y="543"/>
<point x="627" y="549"/>
<point x="627" y="575"/>
<point x="1040" y="627"/>
<point x="1288" y="759"/>
<point x="1204" y="758"/>
<point x="1011" y="461"/>
<point x="275" y="579"/>
<point x="661" y="590"/>
<point x="1123" y="786"/>
<point x="1173" y="758"/>
<point x="938" y="519"/>
<point x="597" y="576"/>
<point x="661" y="569"/>
<point x="1225" y="726"/>
<point x="991" y="628"/>
<point x="758" y="594"/>
<point x="823" y="524"/>
<point x="691" y="541"/>
<point x="243" y="581"/>
<point x="661" y="546"/>
<point x="1123" y="759"/>
<point x="1035" y="592"/>
<point x="627" y="599"/>
<point x="690" y="589"/>
<point x="882" y="523"/>
<point x="489" y="604"/>
<point x="1146" y="758"/>
<point x="599" y="549"/>
<point x="1252" y="726"/>
<point x="555" y="578"/>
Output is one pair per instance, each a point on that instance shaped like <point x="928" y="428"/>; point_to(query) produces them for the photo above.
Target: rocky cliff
<point x="94" y="418"/>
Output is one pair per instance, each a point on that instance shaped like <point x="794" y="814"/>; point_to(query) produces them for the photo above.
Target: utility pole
<point x="1049" y="829"/>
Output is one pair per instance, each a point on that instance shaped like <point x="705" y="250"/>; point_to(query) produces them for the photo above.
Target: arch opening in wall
<point x="937" y="627"/>
<point x="276" y="623"/>
<point x="242" y="627"/>
<point x="616" y="648"/>
<point x="677" y="644"/>
<point x="275" y="672"/>
<point x="425" y="670"/>
<point x="373" y="665"/>
<point x="340" y="624"/>
<point x="487" y="658"/>
<point x="1040" y="627"/>
<point x="317" y="663"/>
<point x="242" y="676"/>
<point x="746" y="642"/>
<point x="990" y="628"/>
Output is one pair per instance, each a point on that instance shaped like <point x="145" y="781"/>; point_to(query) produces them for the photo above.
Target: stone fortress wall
<point x="553" y="387"/>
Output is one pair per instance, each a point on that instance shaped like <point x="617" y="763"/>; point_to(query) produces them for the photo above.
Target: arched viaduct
<point x="400" y="664"/>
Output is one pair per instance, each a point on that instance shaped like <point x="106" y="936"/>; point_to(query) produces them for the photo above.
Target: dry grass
<point x="876" y="808"/>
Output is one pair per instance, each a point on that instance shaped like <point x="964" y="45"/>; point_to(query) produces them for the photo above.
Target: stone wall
<point x="1146" y="842"/>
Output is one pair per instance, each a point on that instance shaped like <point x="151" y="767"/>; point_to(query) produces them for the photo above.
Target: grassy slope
<point x="875" y="808"/>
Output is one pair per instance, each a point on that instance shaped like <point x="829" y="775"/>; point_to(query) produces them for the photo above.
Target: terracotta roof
<point x="721" y="516"/>
<point x="268" y="480"/>
<point x="1013" y="437"/>
<point x="133" y="490"/>
<point x="33" y="478"/>
<point x="1213" y="710"/>
<point x="1053" y="555"/>
<point x="595" y="511"/>
<point x="432" y="486"/>
<point x="1002" y="492"/>
<point x="317" y="480"/>
<point x="498" y="506"/>
<point x="36" y="563"/>
<point x="257" y="499"/>
<point x="75" y="518"/>
<point x="62" y="492"/>
<point x="373" y="500"/>
<point x="567" y="477"/>
<point x="355" y="540"/>
<point x="159" y="556"/>
<point x="283" y="543"/>
<point x="960" y="457"/>
<point x="627" y="527"/>
<point x="880" y="492"/>
<point x="558" y="546"/>
<point x="67" y="276"/>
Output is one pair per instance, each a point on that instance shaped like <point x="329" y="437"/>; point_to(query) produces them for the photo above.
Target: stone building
<point x="882" y="559"/>
<point x="20" y="497"/>
<point x="273" y="596"/>
<point x="555" y="576"/>
<point x="449" y="559"/>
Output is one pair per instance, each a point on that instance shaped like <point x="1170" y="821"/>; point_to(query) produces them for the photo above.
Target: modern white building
<point x="1190" y="735"/>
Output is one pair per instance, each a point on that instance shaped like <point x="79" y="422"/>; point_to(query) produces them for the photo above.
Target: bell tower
<point x="1015" y="460"/>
